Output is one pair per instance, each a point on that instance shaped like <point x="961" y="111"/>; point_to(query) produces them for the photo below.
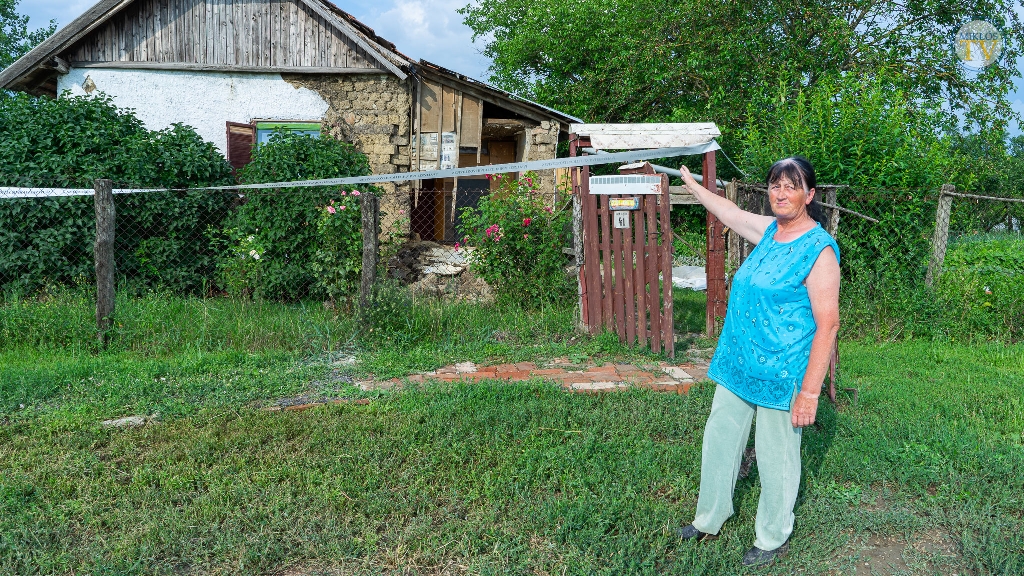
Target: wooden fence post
<point x="371" y="247"/>
<point x="733" y="239"/>
<point x="717" y="298"/>
<point x="832" y="197"/>
<point x="103" y="252"/>
<point x="941" y="235"/>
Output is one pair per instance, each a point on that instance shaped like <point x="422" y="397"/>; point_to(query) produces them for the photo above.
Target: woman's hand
<point x="688" y="178"/>
<point x="804" y="409"/>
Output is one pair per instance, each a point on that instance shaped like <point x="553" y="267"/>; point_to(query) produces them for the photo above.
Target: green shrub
<point x="163" y="238"/>
<point x="518" y="243"/>
<point x="300" y="254"/>
<point x="982" y="288"/>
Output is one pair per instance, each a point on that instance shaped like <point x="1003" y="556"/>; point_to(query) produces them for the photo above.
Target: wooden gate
<point x="626" y="273"/>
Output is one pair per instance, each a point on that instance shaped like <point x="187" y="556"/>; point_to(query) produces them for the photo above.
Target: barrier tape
<point x="613" y="158"/>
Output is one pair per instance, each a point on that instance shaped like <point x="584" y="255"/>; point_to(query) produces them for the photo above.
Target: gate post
<point x="717" y="298"/>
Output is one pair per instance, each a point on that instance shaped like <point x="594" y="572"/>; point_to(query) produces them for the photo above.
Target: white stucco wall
<point x="203" y="100"/>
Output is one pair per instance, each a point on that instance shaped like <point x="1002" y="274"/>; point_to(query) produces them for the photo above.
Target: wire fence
<point x="908" y="255"/>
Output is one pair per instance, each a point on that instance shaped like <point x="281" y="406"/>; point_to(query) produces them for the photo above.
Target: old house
<point x="236" y="70"/>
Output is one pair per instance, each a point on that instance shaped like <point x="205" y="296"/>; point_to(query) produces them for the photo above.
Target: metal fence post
<point x="371" y="247"/>
<point x="941" y="235"/>
<point x="103" y="252"/>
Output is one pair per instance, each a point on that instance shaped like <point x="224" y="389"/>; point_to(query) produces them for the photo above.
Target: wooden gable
<point x="238" y="35"/>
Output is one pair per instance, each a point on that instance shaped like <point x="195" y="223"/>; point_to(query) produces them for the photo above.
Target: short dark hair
<point x="799" y="171"/>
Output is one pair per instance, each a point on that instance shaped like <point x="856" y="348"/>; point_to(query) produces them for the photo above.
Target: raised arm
<point x="747" y="224"/>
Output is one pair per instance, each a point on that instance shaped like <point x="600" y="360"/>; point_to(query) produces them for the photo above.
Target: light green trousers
<point x="777" y="444"/>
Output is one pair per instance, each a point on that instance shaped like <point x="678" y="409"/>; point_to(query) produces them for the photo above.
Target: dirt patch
<point x="931" y="552"/>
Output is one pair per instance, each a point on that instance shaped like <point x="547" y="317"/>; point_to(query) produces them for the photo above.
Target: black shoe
<point x="688" y="532"/>
<point x="757" y="557"/>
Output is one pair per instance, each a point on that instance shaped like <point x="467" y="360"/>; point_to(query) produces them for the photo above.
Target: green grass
<point x="690" y="310"/>
<point x="486" y="479"/>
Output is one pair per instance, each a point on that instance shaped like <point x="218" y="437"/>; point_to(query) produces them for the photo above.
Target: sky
<point x="431" y="30"/>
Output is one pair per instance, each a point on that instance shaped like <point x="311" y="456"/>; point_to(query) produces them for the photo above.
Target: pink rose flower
<point x="331" y="210"/>
<point x="526" y="221"/>
<point x="356" y="193"/>
<point x="342" y="207"/>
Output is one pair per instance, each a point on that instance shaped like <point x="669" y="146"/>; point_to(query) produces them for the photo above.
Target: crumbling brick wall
<point x="542" y="144"/>
<point x="372" y="112"/>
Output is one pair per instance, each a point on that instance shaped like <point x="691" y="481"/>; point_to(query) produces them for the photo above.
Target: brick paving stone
<point x="506" y="368"/>
<point x="577" y="379"/>
<point x="465" y="367"/>
<point x="606" y="369"/>
<point x="517" y="376"/>
<point x="548" y="371"/>
<point x="526" y="366"/>
<point x="677" y="373"/>
<point x="447" y="370"/>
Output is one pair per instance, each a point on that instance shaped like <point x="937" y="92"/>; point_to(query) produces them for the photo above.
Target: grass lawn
<point x="926" y="461"/>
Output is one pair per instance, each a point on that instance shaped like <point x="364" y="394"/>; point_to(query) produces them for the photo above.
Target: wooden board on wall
<point x="279" y="33"/>
<point x="431" y="102"/>
<point x="470" y="129"/>
<point x="448" y="110"/>
<point x="501" y="153"/>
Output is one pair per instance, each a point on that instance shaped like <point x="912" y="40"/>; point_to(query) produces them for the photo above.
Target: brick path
<point x="610" y="377"/>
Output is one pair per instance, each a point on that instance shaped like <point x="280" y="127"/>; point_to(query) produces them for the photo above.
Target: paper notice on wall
<point x="428" y="147"/>
<point x="449" y="153"/>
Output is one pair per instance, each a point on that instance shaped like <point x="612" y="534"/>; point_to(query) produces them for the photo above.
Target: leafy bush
<point x="982" y="285"/>
<point x="870" y="135"/>
<point x="163" y="238"/>
<point x="301" y="252"/>
<point x="518" y="244"/>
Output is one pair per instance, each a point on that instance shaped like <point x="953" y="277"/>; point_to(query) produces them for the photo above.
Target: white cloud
<point x="428" y="30"/>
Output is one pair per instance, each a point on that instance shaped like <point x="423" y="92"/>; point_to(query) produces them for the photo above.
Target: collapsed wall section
<point x="372" y="112"/>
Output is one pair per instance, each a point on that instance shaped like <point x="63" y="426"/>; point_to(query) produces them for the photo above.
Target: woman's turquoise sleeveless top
<point x="766" y="340"/>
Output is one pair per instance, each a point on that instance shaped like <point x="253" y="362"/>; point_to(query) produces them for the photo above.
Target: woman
<point x="772" y="355"/>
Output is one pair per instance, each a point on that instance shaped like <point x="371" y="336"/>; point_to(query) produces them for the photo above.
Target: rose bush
<point x="517" y="244"/>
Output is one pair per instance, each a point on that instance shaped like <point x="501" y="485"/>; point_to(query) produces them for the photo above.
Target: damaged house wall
<point x="372" y="112"/>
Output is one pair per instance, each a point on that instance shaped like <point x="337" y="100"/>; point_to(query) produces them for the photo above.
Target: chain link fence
<point x="921" y="261"/>
<point x="913" y="260"/>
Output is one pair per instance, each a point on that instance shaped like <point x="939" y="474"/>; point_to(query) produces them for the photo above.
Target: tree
<point x="15" y="38"/>
<point x="693" y="60"/>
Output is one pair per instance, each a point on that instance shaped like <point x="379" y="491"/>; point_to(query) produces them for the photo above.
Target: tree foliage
<point x="700" y="60"/>
<point x="15" y="38"/>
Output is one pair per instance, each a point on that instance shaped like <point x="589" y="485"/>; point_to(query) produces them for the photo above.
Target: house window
<point x="265" y="130"/>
